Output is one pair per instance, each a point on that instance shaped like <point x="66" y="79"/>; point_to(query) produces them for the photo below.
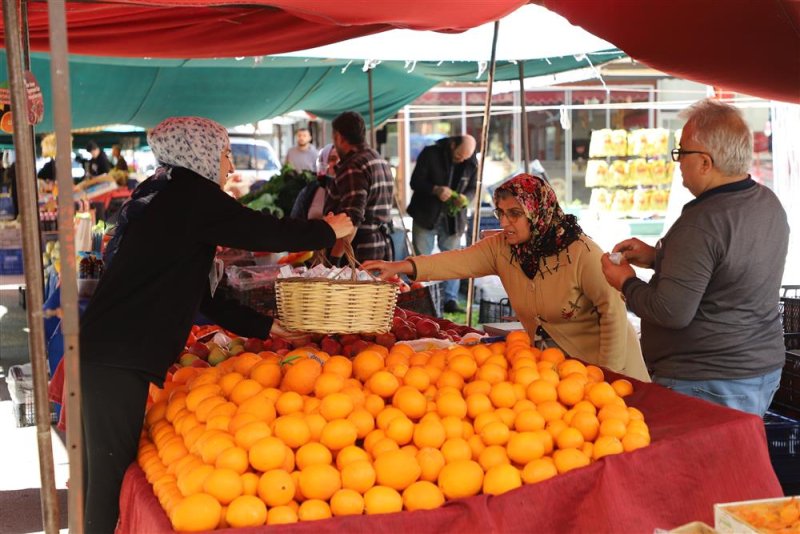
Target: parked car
<point x="255" y="160"/>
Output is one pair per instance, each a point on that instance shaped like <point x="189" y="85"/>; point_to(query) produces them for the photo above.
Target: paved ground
<point x="20" y="483"/>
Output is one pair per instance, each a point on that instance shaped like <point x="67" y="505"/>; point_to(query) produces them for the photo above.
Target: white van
<point x="254" y="160"/>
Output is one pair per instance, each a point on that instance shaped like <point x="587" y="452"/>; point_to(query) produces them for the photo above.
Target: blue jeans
<point x="753" y="395"/>
<point x="424" y="241"/>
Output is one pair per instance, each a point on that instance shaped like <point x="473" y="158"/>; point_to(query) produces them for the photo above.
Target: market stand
<point x="700" y="454"/>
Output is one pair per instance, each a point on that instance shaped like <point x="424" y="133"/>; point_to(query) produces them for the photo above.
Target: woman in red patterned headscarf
<point x="551" y="272"/>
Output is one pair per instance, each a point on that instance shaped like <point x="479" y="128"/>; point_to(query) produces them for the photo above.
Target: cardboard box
<point x="726" y="522"/>
<point x="695" y="527"/>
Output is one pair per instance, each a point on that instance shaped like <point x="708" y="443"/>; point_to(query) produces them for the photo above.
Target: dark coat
<point x="433" y="169"/>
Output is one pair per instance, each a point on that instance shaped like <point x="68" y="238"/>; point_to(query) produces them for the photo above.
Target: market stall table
<point x="700" y="454"/>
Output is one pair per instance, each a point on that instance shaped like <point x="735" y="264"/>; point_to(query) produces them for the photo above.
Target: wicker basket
<point x="330" y="306"/>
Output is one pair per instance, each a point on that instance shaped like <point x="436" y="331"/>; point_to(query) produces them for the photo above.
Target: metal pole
<point x="526" y="142"/>
<point x="476" y="224"/>
<point x="32" y="258"/>
<point x="373" y="139"/>
<point x="62" y="115"/>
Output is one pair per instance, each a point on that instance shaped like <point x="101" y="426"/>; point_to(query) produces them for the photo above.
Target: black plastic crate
<point x="25" y="412"/>
<point x="495" y="312"/>
<point x="787" y="398"/>
<point x="426" y="300"/>
<point x="790" y="315"/>
<point x="783" y="439"/>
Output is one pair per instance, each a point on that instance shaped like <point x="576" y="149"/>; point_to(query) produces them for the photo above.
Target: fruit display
<point x="269" y="438"/>
<point x="776" y="516"/>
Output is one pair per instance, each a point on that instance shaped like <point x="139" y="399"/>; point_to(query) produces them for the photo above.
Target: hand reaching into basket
<point x="389" y="269"/>
<point x="297" y="339"/>
<point x="341" y="224"/>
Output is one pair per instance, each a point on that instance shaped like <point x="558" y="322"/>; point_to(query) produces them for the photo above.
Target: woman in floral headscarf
<point x="160" y="272"/>
<point x="551" y="272"/>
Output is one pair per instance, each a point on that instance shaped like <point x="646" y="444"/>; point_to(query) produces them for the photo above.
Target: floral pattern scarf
<point x="194" y="143"/>
<point x="551" y="230"/>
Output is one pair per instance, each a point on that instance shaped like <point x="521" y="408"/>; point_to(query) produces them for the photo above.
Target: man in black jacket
<point x="444" y="181"/>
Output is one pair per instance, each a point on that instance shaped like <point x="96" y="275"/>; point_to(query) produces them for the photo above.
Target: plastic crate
<point x="783" y="439"/>
<point x="790" y="316"/>
<point x="495" y="312"/>
<point x="426" y="300"/>
<point x="20" y="388"/>
<point x="787" y="398"/>
<point x="11" y="261"/>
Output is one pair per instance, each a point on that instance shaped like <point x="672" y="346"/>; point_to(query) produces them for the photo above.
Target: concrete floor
<point x="20" y="482"/>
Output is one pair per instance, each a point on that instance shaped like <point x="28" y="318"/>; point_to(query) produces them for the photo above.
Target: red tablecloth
<point x="700" y="454"/>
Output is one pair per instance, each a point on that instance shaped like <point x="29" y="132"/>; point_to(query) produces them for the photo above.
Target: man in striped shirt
<point x="363" y="188"/>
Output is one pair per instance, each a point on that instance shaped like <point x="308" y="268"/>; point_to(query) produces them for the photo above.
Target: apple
<point x="387" y="340"/>
<point x="398" y="322"/>
<point x="316" y="338"/>
<point x="406" y="333"/>
<point x="254" y="345"/>
<point x="199" y="350"/>
<point x="427" y="328"/>
<point x="348" y="351"/>
<point x="282" y="352"/>
<point x="236" y="349"/>
<point x="414" y="319"/>
<point x="331" y="345"/>
<point x="174" y="367"/>
<point x="187" y="358"/>
<point x="368" y="337"/>
<point x="278" y="344"/>
<point x="400" y="312"/>
<point x="360" y="345"/>
<point x="200" y="363"/>
<point x="349" y="339"/>
<point x="417" y="285"/>
<point x="441" y="334"/>
<point x="217" y="355"/>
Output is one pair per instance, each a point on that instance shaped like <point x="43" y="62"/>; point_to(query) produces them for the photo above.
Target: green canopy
<point x="235" y="91"/>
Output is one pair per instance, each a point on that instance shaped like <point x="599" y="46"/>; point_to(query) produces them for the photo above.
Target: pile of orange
<point x="264" y="440"/>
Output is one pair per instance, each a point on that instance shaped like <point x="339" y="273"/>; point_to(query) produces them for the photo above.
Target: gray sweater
<point x="711" y="309"/>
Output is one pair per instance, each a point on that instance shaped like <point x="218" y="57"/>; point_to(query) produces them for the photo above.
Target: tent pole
<point x="373" y="140"/>
<point x="32" y="259"/>
<point x="62" y="115"/>
<point x="476" y="223"/>
<point x="526" y="143"/>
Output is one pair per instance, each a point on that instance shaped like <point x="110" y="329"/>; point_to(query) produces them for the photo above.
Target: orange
<point x="281" y="515"/>
<point x="234" y="459"/>
<point x="300" y="375"/>
<point x="635" y="413"/>
<point x="570" y="391"/>
<point x="224" y="485"/>
<point x="320" y="481"/>
<point x="462" y="478"/>
<point x="312" y="453"/>
<point x="451" y="404"/>
<point x="476" y="445"/>
<point x="250" y="433"/>
<point x="569" y="438"/>
<point x="549" y="375"/>
<point x="417" y="378"/>
<point x="338" y="365"/>
<point x="478" y="403"/>
<point x="363" y="421"/>
<point x="243" y="390"/>
<point x="267" y="453"/>
<point x="524" y="447"/>
<point x="293" y="431"/>
<point x="527" y="420"/>
<point x="551" y="410"/>
<point x="480" y="353"/>
<point x="464" y="365"/>
<point x="613" y="411"/>
<point x="372" y="438"/>
<point x="422" y="495"/>
<point x="540" y="391"/>
<point x="570" y="366"/>
<point x="433" y="372"/>
<point x="191" y="481"/>
<point x="546" y="439"/>
<point x="585" y="406"/>
<point x="634" y="440"/>
<point x="613" y="427"/>
<point x="484" y="419"/>
<point x="456" y="449"/>
<point x="266" y="373"/>
<point x="328" y="383"/>
<point x="288" y="461"/>
<point x="356" y="394"/>
<point x="382" y="500"/>
<point x="367" y="363"/>
<point x="601" y="394"/>
<point x="358" y="475"/>
<point x="400" y="430"/>
<point x="174" y="406"/>
<point x="156" y="412"/>
<point x="199" y="393"/>
<point x="493" y="455"/>
<point x="383" y="446"/>
<point x="338" y="434"/>
<point x="410" y="401"/>
<point x="491" y="372"/>
<point x="638" y="426"/>
<point x="431" y="462"/>
<point x="502" y="395"/>
<point x="453" y="426"/>
<point x="587" y="424"/>
<point x="261" y="407"/>
<point x="450" y="378"/>
<point x="397" y="469"/>
<point x="498" y="347"/>
<point x="196" y="512"/>
<point x="500" y="479"/>
<point x="386" y="415"/>
<point x="524" y="376"/>
<point x="246" y="511"/>
<point x="347" y="502"/>
<point x="495" y="433"/>
<point x="554" y="428"/>
<point x="289" y="402"/>
<point x="350" y="454"/>
<point x="552" y="354"/>
<point x="622" y="387"/>
<point x="395" y="359"/>
<point x="184" y="374"/>
<point x="315" y="424"/>
<point x="383" y="383"/>
<point x="539" y="470"/>
<point x="276" y="487"/>
<point x="228" y="409"/>
<point x="313" y="509"/>
<point x="250" y="483"/>
<point x="336" y="406"/>
<point x="606" y="445"/>
<point x="594" y="373"/>
<point x="569" y="459"/>
<point x="214" y="445"/>
<point x="429" y="434"/>
<point x="518" y="336"/>
<point x="374" y="404"/>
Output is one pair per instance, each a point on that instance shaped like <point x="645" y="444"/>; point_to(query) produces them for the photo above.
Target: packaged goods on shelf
<point x="618" y="173"/>
<point x="648" y="142"/>
<point x="597" y="173"/>
<point x="639" y="172"/>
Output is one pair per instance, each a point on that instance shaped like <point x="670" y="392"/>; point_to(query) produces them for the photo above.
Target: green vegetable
<point x="279" y="194"/>
<point x="455" y="203"/>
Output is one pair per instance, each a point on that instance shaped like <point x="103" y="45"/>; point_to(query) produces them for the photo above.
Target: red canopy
<point x="750" y="46"/>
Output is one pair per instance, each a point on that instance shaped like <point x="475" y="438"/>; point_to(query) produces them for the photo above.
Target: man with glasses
<point x="444" y="181"/>
<point x="710" y="321"/>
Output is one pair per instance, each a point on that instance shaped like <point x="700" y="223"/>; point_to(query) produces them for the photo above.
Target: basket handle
<point x="351" y="259"/>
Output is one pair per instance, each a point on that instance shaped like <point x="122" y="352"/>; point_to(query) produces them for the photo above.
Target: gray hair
<point x="721" y="129"/>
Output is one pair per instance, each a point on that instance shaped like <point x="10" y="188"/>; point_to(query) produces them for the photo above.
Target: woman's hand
<point x="388" y="269"/>
<point x="637" y="252"/>
<point x="341" y="224"/>
<point x="298" y="339"/>
<point x="616" y="275"/>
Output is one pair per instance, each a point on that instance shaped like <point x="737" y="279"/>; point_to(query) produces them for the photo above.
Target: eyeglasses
<point x="678" y="153"/>
<point x="512" y="215"/>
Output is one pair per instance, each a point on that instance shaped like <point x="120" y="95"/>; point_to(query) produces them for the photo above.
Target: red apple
<point x="360" y="345"/>
<point x="330" y="345"/>
<point x="405" y="333"/>
<point x="349" y="339"/>
<point x="417" y="285"/>
<point x="441" y="334"/>
<point x="253" y="344"/>
<point x="387" y="340"/>
<point x="415" y="319"/>
<point x="400" y="312"/>
<point x="397" y="322"/>
<point x="187" y="358"/>
<point x="267" y="344"/>
<point x="278" y="344"/>
<point x="368" y="337"/>
<point x="199" y="350"/>
<point x="282" y="352"/>
<point x="200" y="363"/>
<point x="427" y="328"/>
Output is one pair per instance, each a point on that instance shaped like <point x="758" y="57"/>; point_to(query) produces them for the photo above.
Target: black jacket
<point x="434" y="169"/>
<point x="144" y="305"/>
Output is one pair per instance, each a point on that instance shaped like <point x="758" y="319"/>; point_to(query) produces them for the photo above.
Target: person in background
<point x="444" y="182"/>
<point x="302" y="156"/>
<point x="551" y="272"/>
<point x="99" y="163"/>
<point x="363" y="189"/>
<point x="48" y="172"/>
<point x="311" y="199"/>
<point x="710" y="322"/>
<point x="160" y="271"/>
<point x="119" y="161"/>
